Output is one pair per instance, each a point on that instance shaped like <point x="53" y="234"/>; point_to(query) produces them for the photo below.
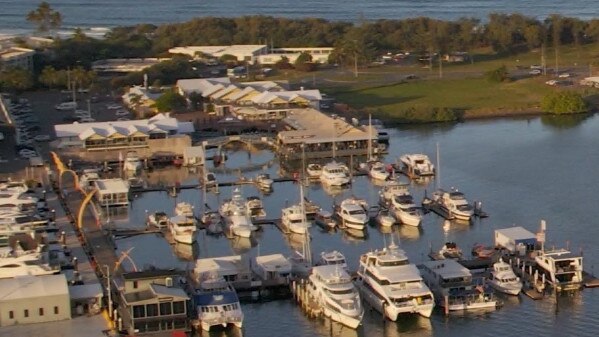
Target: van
<point x="66" y="106"/>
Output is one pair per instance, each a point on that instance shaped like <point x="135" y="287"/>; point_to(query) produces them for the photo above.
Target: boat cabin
<point x="112" y="192"/>
<point x="271" y="267"/>
<point x="447" y="274"/>
<point x="562" y="268"/>
<point x="231" y="268"/>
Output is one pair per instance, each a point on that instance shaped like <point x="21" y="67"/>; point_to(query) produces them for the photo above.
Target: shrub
<point x="564" y="102"/>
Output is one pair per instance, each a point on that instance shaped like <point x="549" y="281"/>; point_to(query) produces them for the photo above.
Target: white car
<point x="26" y="153"/>
<point x="564" y="75"/>
<point x="41" y="138"/>
<point x="114" y="106"/>
<point x="535" y="72"/>
<point x="121" y="112"/>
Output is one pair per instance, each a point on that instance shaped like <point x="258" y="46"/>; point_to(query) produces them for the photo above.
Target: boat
<point x="264" y="181"/>
<point x="405" y="210"/>
<point x="416" y="165"/>
<point x="87" y="179"/>
<point x="158" y="220"/>
<point x="332" y="258"/>
<point x="454" y="288"/>
<point x="136" y="183"/>
<point x="182" y="228"/>
<point x="274" y="268"/>
<point x="335" y="174"/>
<point x="378" y="171"/>
<point x="293" y="220"/>
<point x="314" y="171"/>
<point x="392" y="285"/>
<point x="217" y="304"/>
<point x="212" y="221"/>
<point x="481" y="251"/>
<point x="325" y="219"/>
<point x="209" y="180"/>
<point x="503" y="279"/>
<point x="132" y="162"/>
<point x="352" y="213"/>
<point x="450" y="250"/>
<point x="237" y="219"/>
<point x="450" y="205"/>
<point x="391" y="189"/>
<point x="561" y="268"/>
<point x="311" y="207"/>
<point x="184" y="208"/>
<point x="333" y="290"/>
<point x="385" y="219"/>
<point x="254" y="206"/>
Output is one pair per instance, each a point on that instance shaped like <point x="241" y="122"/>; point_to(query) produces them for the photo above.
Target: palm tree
<point x="45" y="17"/>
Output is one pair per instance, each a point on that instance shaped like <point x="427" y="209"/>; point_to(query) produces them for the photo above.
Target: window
<point x="26" y="313"/>
<point x="135" y="284"/>
<point x="11" y="314"/>
<point x="139" y="311"/>
<point x="151" y="310"/>
<point x="41" y="311"/>
<point x="165" y="309"/>
<point x="55" y="310"/>
<point x="179" y="307"/>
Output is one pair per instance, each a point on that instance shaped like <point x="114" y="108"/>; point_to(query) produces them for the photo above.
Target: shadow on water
<point x="564" y="122"/>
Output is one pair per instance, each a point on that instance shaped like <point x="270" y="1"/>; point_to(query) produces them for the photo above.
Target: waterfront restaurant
<point x="152" y="301"/>
<point x="318" y="135"/>
<point x="112" y="192"/>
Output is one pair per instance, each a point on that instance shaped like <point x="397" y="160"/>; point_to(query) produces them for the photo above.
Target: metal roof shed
<point x="511" y="238"/>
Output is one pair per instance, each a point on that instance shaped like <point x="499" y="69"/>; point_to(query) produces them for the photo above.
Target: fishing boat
<point x="503" y="279"/>
<point x="237" y="219"/>
<point x="334" y="291"/>
<point x="392" y="285"/>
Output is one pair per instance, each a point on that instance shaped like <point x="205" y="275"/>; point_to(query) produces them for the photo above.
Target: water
<point x="523" y="170"/>
<point x="109" y="13"/>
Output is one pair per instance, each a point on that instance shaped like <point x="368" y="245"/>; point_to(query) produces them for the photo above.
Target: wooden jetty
<point x="303" y="298"/>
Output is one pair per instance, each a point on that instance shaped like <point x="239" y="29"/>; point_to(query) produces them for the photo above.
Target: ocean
<point x="109" y="13"/>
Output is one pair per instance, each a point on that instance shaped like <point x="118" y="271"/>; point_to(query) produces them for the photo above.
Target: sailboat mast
<point x="306" y="246"/>
<point x="438" y="168"/>
<point x="369" y="137"/>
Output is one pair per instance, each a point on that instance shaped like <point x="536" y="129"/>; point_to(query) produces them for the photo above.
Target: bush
<point x="564" y="102"/>
<point x="498" y="75"/>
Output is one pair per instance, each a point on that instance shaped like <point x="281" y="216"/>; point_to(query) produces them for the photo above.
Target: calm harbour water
<point x="523" y="170"/>
<point x="109" y="13"/>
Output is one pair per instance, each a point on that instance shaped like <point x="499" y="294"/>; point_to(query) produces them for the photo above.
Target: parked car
<point x="535" y="72"/>
<point x="114" y="106"/>
<point x="41" y="138"/>
<point x="121" y="112"/>
<point x="66" y="106"/>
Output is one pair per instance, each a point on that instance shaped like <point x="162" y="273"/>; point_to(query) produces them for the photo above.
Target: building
<point x="153" y="301"/>
<point x="270" y="105"/>
<point x="118" y="135"/>
<point x="34" y="299"/>
<point x="194" y="156"/>
<point x="243" y="53"/>
<point x="125" y="65"/>
<point x="16" y="57"/>
<point x="141" y="99"/>
<point x="316" y="135"/>
<point x="319" y="54"/>
<point x="112" y="192"/>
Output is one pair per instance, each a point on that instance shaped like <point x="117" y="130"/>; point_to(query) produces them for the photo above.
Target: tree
<point x="49" y="77"/>
<point x="195" y="100"/>
<point x="498" y="75"/>
<point x="15" y="79"/>
<point x="45" y="17"/>
<point x="170" y="101"/>
<point x="564" y="102"/>
<point x="304" y="62"/>
<point x="283" y="63"/>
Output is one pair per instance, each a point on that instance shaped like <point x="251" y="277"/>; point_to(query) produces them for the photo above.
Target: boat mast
<point x="369" y="137"/>
<point x="438" y="178"/>
<point x="306" y="246"/>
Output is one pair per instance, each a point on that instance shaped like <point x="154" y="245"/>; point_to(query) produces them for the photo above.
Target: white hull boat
<point x="503" y="279"/>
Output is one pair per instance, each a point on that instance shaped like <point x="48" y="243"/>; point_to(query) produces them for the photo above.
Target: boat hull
<point x="506" y="289"/>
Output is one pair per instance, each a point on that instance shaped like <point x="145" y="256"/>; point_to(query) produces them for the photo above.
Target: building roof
<point x="23" y="287"/>
<point x="447" y="268"/>
<point x="218" y="51"/>
<point x="159" y="123"/>
<point x="516" y="233"/>
<point x="203" y="86"/>
<point x="150" y="274"/>
<point x="14" y="52"/>
<point x="274" y="262"/>
<point x="84" y="291"/>
<point x="112" y="186"/>
<point x="312" y="126"/>
<point x="225" y="265"/>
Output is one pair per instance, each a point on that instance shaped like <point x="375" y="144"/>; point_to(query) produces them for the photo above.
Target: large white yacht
<point x="334" y="174"/>
<point x="352" y="213"/>
<point x="237" y="219"/>
<point x="454" y="288"/>
<point x="132" y="162"/>
<point x="217" y="304"/>
<point x="182" y="228"/>
<point x="294" y="220"/>
<point x="332" y="288"/>
<point x="405" y="210"/>
<point x="332" y="258"/>
<point x="503" y="279"/>
<point x="450" y="205"/>
<point x="392" y="285"/>
<point x="416" y="165"/>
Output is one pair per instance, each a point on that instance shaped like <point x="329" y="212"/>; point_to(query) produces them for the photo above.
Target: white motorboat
<point x="450" y="250"/>
<point x="332" y="258"/>
<point x="335" y="174"/>
<point x="391" y="189"/>
<point x="503" y="279"/>
<point x="416" y="165"/>
<point x="132" y="162"/>
<point x="209" y="180"/>
<point x="87" y="179"/>
<point x="378" y="171"/>
<point x="158" y="220"/>
<point x="406" y="211"/>
<point x="352" y="213"/>
<point x="182" y="228"/>
<point x="450" y="205"/>
<point x="325" y="219"/>
<point x="314" y="171"/>
<point x="254" y="206"/>
<point x="237" y="219"/>
<point x="385" y="219"/>
<point x="184" y="208"/>
<point x="453" y="286"/>
<point x="24" y="263"/>
<point x="294" y="220"/>
<point x="264" y="181"/>
<point x="392" y="285"/>
<point x="333" y="290"/>
<point x="217" y="304"/>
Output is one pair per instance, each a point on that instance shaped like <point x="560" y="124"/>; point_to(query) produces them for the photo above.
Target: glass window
<point x="26" y="313"/>
<point x="165" y="309"/>
<point x="139" y="311"/>
<point x="41" y="311"/>
<point x="134" y="284"/>
<point x="11" y="314"/>
<point x="151" y="310"/>
<point x="179" y="307"/>
<point x="153" y="326"/>
<point x="55" y="310"/>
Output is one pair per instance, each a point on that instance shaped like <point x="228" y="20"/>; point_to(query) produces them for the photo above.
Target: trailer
<point x="515" y="239"/>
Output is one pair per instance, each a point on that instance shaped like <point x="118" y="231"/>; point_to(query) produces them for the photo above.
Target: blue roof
<point x="216" y="298"/>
